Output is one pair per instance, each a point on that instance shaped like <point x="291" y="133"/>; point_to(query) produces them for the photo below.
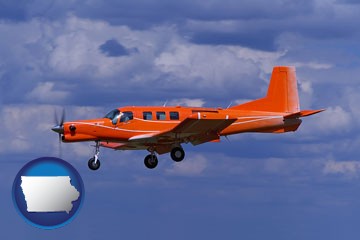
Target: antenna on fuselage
<point x="229" y="105"/>
<point x="164" y="105"/>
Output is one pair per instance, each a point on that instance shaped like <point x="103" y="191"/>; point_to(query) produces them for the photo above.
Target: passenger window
<point x="147" y="115"/>
<point x="174" y="115"/>
<point x="160" y="116"/>
<point x="126" y="116"/>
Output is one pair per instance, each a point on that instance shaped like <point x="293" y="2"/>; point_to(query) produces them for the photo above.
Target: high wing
<point x="198" y="128"/>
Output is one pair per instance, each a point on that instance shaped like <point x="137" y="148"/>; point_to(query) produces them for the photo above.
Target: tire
<point x="177" y="154"/>
<point x="151" y="161"/>
<point x="92" y="165"/>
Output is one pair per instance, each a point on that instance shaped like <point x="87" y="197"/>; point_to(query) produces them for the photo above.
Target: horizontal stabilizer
<point x="303" y="113"/>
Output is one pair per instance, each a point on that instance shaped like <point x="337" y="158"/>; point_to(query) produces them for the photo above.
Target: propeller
<point x="59" y="127"/>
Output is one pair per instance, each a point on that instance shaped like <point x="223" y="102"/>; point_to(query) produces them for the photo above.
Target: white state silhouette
<point x="49" y="194"/>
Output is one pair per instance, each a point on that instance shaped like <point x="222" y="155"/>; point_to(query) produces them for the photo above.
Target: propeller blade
<point x="62" y="117"/>
<point x="60" y="148"/>
<point x="59" y="127"/>
<point x="56" y="119"/>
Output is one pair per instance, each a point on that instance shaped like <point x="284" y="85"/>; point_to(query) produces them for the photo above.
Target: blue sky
<point x="93" y="56"/>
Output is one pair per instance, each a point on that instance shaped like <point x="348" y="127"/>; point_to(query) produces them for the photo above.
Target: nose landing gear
<point x="94" y="162"/>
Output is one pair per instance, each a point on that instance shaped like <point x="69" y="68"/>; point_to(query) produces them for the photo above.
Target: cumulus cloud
<point x="192" y="102"/>
<point x="306" y="87"/>
<point x="313" y="65"/>
<point x="67" y="52"/>
<point x="352" y="101"/>
<point x="45" y="93"/>
<point x="334" y="120"/>
<point x="193" y="166"/>
<point x="218" y="69"/>
<point x="27" y="128"/>
<point x="347" y="168"/>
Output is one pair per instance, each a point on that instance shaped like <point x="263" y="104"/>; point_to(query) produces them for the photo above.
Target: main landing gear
<point x="151" y="161"/>
<point x="177" y="154"/>
<point x="94" y="162"/>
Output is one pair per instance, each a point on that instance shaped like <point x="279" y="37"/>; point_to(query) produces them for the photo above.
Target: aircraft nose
<point x="58" y="129"/>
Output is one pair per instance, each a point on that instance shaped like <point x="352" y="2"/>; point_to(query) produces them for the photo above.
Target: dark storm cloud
<point x="257" y="24"/>
<point x="145" y="14"/>
<point x="112" y="48"/>
<point x="163" y="11"/>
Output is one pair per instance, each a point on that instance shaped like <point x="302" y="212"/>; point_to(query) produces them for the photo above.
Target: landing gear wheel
<point x="151" y="161"/>
<point x="177" y="154"/>
<point x="92" y="165"/>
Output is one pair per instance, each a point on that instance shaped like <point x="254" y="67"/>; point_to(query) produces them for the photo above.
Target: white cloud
<point x="67" y="52"/>
<point x="241" y="101"/>
<point x="28" y="128"/>
<point x="353" y="99"/>
<point x="306" y="91"/>
<point x="195" y="102"/>
<point x="215" y="66"/>
<point x="312" y="65"/>
<point x="76" y="48"/>
<point x="347" y="168"/>
<point x="306" y="87"/>
<point x="334" y="120"/>
<point x="193" y="166"/>
<point x="45" y="93"/>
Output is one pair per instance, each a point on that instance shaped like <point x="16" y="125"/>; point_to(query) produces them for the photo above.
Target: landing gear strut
<point x="94" y="162"/>
<point x="151" y="161"/>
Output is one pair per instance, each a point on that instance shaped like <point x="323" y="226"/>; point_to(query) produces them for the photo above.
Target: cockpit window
<point x="126" y="116"/>
<point x="113" y="116"/>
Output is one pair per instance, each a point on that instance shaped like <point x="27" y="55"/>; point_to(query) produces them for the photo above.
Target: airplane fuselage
<point x="152" y="120"/>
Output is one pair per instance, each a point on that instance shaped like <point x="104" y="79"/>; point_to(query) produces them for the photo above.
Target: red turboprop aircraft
<point x="163" y="129"/>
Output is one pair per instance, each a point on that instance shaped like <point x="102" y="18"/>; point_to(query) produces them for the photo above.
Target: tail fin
<point x="282" y="95"/>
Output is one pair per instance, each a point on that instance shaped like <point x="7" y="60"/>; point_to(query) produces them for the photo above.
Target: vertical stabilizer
<point x="282" y="95"/>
